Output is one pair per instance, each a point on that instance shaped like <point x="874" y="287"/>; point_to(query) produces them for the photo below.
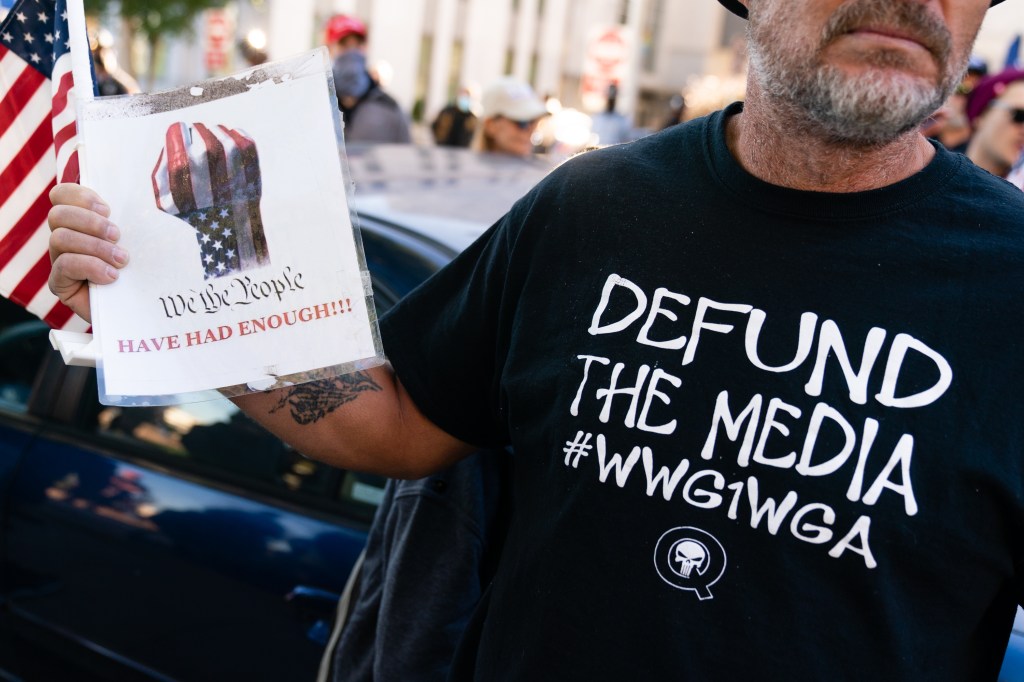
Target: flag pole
<point x="78" y="348"/>
<point x="81" y="69"/>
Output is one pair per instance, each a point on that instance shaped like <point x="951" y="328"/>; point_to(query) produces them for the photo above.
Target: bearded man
<point x="760" y="372"/>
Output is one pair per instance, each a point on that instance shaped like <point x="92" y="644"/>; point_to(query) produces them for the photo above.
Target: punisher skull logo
<point x="690" y="559"/>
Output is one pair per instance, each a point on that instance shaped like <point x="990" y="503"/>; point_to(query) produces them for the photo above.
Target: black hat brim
<point x="738" y="9"/>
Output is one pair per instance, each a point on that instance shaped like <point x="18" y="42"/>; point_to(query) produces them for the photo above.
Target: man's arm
<point x="364" y="421"/>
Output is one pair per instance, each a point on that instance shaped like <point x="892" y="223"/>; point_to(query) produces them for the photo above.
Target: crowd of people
<point x="984" y="119"/>
<point x="506" y="118"/>
<point x="980" y="118"/>
<point x="369" y="113"/>
<point x="598" y="479"/>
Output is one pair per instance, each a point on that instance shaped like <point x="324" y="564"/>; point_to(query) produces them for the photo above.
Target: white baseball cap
<point x="513" y="99"/>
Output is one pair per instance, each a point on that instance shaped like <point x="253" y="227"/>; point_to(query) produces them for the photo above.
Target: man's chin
<point x="872" y="118"/>
<point x="887" y="87"/>
<point x="854" y="103"/>
<point x="883" y="75"/>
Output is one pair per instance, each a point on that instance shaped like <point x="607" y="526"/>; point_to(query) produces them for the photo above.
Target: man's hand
<point x="83" y="245"/>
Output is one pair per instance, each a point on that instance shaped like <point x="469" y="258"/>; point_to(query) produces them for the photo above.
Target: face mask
<point x="464" y="103"/>
<point x="350" y="76"/>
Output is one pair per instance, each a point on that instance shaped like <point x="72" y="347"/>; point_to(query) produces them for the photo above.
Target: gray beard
<point x="874" y="108"/>
<point x="871" y="110"/>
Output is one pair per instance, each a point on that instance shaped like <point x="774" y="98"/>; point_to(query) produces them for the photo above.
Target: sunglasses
<point x="522" y="125"/>
<point x="1016" y="113"/>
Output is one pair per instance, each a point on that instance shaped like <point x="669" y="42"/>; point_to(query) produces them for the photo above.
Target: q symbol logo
<point x="690" y="559"/>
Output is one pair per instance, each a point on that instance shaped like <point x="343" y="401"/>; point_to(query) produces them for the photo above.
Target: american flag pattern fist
<point x="209" y="177"/>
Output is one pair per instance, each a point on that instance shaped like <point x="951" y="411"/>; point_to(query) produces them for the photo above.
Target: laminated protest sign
<point x="246" y="267"/>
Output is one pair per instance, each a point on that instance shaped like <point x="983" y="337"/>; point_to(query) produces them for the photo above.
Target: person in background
<point x="369" y="113"/>
<point x="610" y="126"/>
<point x="111" y="79"/>
<point x="977" y="70"/>
<point x="252" y="55"/>
<point x="676" y="112"/>
<point x="456" y="123"/>
<point x="995" y="109"/>
<point x="949" y="125"/>
<point x="511" y="112"/>
<point x="1016" y="175"/>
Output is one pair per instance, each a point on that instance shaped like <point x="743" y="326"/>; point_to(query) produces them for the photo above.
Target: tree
<point x="156" y="19"/>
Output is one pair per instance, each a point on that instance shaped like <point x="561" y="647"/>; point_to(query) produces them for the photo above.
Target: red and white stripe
<point x="201" y="167"/>
<point x="37" y="145"/>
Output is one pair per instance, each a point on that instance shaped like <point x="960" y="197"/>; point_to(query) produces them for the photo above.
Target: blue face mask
<point x="350" y="76"/>
<point x="464" y="103"/>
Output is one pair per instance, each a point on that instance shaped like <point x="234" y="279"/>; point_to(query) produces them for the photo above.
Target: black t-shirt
<point x="760" y="433"/>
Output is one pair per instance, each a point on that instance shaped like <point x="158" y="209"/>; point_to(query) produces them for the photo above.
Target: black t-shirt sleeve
<point x="443" y="340"/>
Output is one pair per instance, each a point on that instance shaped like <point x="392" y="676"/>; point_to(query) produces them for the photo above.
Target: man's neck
<point x="777" y="147"/>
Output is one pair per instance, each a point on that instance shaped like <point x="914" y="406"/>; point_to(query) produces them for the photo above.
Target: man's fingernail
<point x="120" y="256"/>
<point x="101" y="208"/>
<point x="111" y="272"/>
<point x="113" y="233"/>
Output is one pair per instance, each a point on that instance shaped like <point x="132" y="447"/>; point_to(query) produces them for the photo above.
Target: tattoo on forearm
<point x="313" y="401"/>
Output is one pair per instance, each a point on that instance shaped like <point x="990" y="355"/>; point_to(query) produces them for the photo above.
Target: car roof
<point x="447" y="194"/>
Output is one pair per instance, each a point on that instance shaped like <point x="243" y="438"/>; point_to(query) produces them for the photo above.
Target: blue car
<point x="185" y="542"/>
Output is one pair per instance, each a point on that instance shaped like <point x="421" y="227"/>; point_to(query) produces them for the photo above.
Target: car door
<point x="185" y="542"/>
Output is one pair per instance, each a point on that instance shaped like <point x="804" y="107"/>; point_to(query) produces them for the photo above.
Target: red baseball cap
<point x="737" y="8"/>
<point x="341" y="26"/>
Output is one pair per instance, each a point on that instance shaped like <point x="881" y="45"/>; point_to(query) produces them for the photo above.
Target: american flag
<point x="209" y="177"/>
<point x="37" y="146"/>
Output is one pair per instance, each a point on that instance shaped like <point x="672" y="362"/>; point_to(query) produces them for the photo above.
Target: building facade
<point x="425" y="49"/>
<point x="431" y="47"/>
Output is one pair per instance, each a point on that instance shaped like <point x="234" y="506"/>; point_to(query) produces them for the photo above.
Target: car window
<point x="396" y="265"/>
<point x="22" y="346"/>
<point x="214" y="436"/>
